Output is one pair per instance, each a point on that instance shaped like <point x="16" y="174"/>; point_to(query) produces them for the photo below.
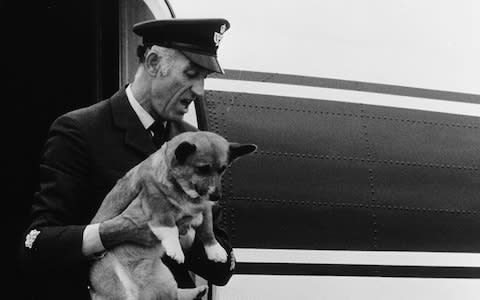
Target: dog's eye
<point x="203" y="169"/>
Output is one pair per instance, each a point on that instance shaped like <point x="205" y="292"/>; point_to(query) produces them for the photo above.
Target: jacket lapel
<point x="124" y="117"/>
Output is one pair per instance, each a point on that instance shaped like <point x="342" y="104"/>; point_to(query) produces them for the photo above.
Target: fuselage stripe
<point x="343" y="95"/>
<point x="347" y="257"/>
<point x="352" y="85"/>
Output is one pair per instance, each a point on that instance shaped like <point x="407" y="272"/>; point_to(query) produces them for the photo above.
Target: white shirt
<point x="142" y="114"/>
<point x="91" y="236"/>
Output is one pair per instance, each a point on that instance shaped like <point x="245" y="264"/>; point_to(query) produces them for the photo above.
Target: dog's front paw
<point x="216" y="253"/>
<point x="173" y="249"/>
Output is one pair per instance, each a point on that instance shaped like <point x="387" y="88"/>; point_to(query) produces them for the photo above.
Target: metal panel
<point x="333" y="175"/>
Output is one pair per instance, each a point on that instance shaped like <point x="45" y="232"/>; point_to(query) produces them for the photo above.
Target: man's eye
<point x="192" y="73"/>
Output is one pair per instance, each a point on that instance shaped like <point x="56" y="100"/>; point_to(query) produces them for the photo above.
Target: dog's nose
<point x="216" y="195"/>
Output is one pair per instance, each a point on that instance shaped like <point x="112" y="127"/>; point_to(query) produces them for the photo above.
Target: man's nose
<point x="198" y="87"/>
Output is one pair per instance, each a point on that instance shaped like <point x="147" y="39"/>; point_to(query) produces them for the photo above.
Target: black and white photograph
<point x="241" y="150"/>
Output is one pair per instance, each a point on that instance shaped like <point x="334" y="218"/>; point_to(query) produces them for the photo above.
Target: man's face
<point x="181" y="84"/>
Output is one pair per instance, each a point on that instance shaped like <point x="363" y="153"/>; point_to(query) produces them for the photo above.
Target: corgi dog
<point x="178" y="184"/>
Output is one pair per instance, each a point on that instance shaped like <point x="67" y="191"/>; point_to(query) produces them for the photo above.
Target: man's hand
<point x="130" y="226"/>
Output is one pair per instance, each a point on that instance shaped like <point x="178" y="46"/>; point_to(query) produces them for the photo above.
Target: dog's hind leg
<point x="112" y="281"/>
<point x="192" y="294"/>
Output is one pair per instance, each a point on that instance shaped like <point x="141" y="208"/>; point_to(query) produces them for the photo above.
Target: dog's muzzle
<point x="213" y="196"/>
<point x="216" y="196"/>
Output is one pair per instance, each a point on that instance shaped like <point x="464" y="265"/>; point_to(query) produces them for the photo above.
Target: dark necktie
<point x="158" y="130"/>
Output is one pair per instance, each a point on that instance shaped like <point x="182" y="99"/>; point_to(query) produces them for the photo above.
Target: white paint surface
<point x="386" y="258"/>
<point x="260" y="287"/>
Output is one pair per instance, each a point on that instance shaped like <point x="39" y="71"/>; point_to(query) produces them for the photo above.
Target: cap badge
<point x="31" y="238"/>
<point x="217" y="36"/>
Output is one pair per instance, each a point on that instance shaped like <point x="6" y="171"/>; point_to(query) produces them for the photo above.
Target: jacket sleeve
<point x="196" y="259"/>
<point x="53" y="240"/>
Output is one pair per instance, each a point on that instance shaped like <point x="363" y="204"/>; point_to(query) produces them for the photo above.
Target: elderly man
<point x="89" y="149"/>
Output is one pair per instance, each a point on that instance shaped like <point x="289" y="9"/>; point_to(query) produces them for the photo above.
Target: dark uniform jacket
<point x="87" y="151"/>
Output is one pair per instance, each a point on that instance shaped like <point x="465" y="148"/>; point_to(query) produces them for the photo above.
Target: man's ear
<point x="183" y="151"/>
<point x="239" y="150"/>
<point x="152" y="62"/>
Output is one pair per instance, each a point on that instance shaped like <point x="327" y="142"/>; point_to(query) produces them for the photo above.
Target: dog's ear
<point x="183" y="151"/>
<point x="239" y="150"/>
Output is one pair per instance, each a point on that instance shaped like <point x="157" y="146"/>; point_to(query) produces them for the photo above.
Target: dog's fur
<point x="174" y="184"/>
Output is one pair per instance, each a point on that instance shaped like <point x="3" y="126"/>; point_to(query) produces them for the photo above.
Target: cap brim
<point x="205" y="61"/>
